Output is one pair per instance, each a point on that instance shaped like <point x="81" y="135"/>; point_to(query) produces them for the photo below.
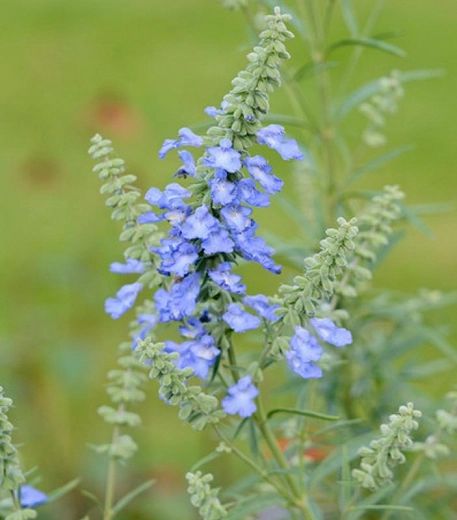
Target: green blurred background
<point x="137" y="71"/>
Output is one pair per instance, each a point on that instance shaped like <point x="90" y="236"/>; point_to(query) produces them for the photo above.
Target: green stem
<point x="253" y="465"/>
<point x="110" y="481"/>
<point x="301" y="501"/>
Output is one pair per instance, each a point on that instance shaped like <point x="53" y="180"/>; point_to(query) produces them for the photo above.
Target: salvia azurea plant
<point x="294" y="388"/>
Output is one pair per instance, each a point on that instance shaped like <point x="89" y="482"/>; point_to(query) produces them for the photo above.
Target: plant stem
<point x="252" y="464"/>
<point x="110" y="481"/>
<point x="301" y="501"/>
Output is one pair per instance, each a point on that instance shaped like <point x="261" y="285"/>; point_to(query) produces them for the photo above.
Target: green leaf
<point x="311" y="69"/>
<point x="373" y="87"/>
<point x="378" y="162"/>
<point x="63" y="490"/>
<point x="379" y="45"/>
<point x="349" y="17"/>
<point x="306" y="413"/>
<point x="381" y="507"/>
<point x="124" y="501"/>
<point x="253" y="440"/>
<point x="345" y="485"/>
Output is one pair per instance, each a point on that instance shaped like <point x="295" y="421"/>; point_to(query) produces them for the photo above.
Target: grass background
<point x="137" y="71"/>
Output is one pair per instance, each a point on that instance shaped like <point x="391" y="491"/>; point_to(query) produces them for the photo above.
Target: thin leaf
<point x="63" y="490"/>
<point x="381" y="507"/>
<point x="349" y="17"/>
<point x="378" y="162"/>
<point x="379" y="45"/>
<point x="345" y="489"/>
<point x="208" y="458"/>
<point x="373" y="87"/>
<point x="124" y="501"/>
<point x="306" y="413"/>
<point x="253" y="440"/>
<point x="310" y="69"/>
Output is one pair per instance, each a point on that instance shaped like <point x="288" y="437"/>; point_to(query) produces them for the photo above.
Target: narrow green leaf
<point x="124" y="501"/>
<point x="379" y="45"/>
<point x="306" y="413"/>
<point x="349" y="17"/>
<point x="378" y="162"/>
<point x="373" y="87"/>
<point x="381" y="507"/>
<point x="310" y="69"/>
<point x="63" y="490"/>
<point x="345" y="489"/>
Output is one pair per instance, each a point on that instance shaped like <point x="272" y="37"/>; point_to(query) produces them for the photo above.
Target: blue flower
<point x="188" y="167"/>
<point x="247" y="192"/>
<point x="261" y="171"/>
<point x="262" y="306"/>
<point x="31" y="497"/>
<point x="186" y="138"/>
<point x="200" y="224"/>
<point x="131" y="266"/>
<point x="177" y="216"/>
<point x="180" y="300"/>
<point x="223" y="192"/>
<point x="329" y="332"/>
<point x="303" y="352"/>
<point x="254" y="248"/>
<point x="192" y="329"/>
<point x="198" y="355"/>
<point x="222" y="275"/>
<point x="177" y="256"/>
<point x="171" y="198"/>
<point x="274" y="137"/>
<point x="240" y="398"/>
<point x="236" y="217"/>
<point x="239" y="320"/>
<point x="149" y="217"/>
<point x="218" y="241"/>
<point x="123" y="301"/>
<point x="213" y="111"/>
<point x="223" y="157"/>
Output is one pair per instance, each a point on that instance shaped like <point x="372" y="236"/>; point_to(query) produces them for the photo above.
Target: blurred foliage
<point x="137" y="71"/>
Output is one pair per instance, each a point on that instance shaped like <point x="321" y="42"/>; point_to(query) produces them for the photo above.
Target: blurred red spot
<point x="114" y="116"/>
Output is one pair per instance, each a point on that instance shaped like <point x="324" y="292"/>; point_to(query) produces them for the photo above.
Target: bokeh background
<point x="137" y="71"/>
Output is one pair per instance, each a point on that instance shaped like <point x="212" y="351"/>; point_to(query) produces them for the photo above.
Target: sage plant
<point x="186" y="242"/>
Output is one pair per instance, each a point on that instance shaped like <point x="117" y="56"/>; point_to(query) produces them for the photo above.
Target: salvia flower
<point x="223" y="156"/>
<point x="240" y="398"/>
<point x="261" y="171"/>
<point x="171" y="198"/>
<point x="262" y="306"/>
<point x="123" y="301"/>
<point x="239" y="320"/>
<point x="304" y="351"/>
<point x="274" y="136"/>
<point x="131" y="266"/>
<point x="223" y="276"/>
<point x="179" y="301"/>
<point x="31" y="497"/>
<point x="186" y="138"/>
<point x="188" y="164"/>
<point x="330" y="333"/>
